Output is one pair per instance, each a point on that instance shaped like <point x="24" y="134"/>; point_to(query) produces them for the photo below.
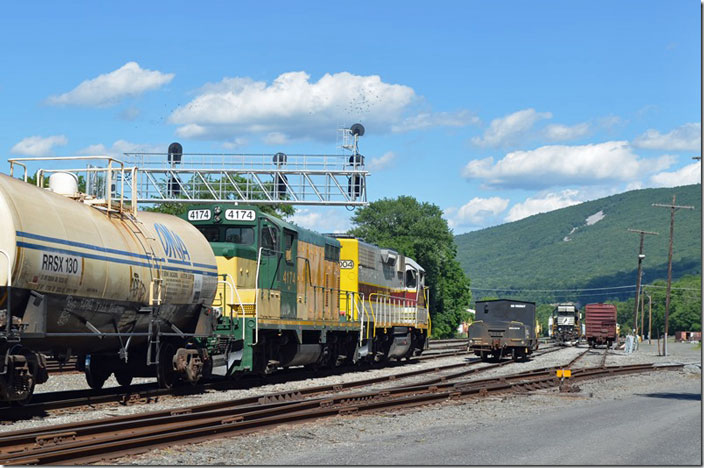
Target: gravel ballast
<point x="283" y="445"/>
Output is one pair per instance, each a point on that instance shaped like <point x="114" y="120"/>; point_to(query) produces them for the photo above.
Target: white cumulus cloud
<point x="689" y="174"/>
<point x="382" y="162"/>
<point x="321" y="219"/>
<point x="275" y="138"/>
<point x="564" y="165"/>
<point x="542" y="204"/>
<point x="559" y="132"/>
<point x="119" y="147"/>
<point x="687" y="137"/>
<point x="476" y="212"/>
<point x="108" y="89"/>
<point x="509" y="129"/>
<point x="235" y="143"/>
<point x="425" y="120"/>
<point x="38" y="146"/>
<point x="292" y="105"/>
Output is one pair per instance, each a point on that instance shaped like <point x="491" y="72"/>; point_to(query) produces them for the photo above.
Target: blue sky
<point x="493" y="110"/>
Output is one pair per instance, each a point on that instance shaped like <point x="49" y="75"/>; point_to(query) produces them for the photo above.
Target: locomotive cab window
<point x="270" y="240"/>
<point x="239" y="235"/>
<point x="211" y="233"/>
<point x="332" y="253"/>
<point x="288" y="246"/>
<point x="411" y="279"/>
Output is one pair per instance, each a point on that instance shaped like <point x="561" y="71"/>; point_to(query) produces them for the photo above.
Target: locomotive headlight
<point x="217" y="218"/>
<point x="217" y="210"/>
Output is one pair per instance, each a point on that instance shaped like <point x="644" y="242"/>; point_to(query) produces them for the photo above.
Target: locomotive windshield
<point x="239" y="235"/>
<point x="211" y="233"/>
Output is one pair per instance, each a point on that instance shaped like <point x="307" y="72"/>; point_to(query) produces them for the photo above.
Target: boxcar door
<point x="289" y="272"/>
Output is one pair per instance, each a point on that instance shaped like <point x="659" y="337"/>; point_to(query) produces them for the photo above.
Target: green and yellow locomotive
<point x="283" y="299"/>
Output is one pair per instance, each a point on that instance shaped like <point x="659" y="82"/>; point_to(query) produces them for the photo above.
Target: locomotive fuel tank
<point x="78" y="272"/>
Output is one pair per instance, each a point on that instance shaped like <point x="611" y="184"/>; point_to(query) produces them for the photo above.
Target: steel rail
<point x="147" y="392"/>
<point x="88" y="446"/>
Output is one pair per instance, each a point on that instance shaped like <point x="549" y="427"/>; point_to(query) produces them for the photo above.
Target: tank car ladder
<point x="155" y="294"/>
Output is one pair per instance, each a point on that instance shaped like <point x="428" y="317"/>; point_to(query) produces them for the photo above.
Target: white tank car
<point x="84" y="282"/>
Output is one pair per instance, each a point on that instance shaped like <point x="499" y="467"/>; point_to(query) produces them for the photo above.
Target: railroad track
<point x="42" y="403"/>
<point x="58" y="402"/>
<point x="98" y="441"/>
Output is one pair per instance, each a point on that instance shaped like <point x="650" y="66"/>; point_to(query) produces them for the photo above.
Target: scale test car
<point x="503" y="327"/>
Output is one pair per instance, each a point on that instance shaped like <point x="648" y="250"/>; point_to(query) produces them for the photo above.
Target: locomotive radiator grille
<point x="249" y="310"/>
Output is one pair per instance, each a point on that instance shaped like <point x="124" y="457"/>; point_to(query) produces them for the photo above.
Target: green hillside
<point x="560" y="250"/>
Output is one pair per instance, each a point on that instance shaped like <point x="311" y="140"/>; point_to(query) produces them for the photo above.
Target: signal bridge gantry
<point x="260" y="179"/>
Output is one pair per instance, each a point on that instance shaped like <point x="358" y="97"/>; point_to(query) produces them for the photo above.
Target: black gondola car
<point x="503" y="327"/>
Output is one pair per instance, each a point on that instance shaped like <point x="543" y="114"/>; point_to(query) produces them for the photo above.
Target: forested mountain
<point x="585" y="246"/>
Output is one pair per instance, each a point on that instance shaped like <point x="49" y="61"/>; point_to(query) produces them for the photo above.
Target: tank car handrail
<point x="12" y="166"/>
<point x="108" y="181"/>
<point x="8" y="315"/>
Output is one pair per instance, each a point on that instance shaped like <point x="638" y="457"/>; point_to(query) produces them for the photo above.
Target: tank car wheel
<point x="124" y="378"/>
<point x="95" y="377"/>
<point x="165" y="374"/>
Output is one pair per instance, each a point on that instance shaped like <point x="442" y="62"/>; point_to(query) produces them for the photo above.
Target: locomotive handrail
<point x="256" y="298"/>
<point x="391" y="308"/>
<point x="239" y="299"/>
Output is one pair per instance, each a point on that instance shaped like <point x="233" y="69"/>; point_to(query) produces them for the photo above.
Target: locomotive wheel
<point x="124" y="378"/>
<point x="165" y="374"/>
<point x="95" y="377"/>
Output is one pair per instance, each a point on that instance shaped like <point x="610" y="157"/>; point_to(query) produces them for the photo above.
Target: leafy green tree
<point x="418" y="230"/>
<point x="685" y="307"/>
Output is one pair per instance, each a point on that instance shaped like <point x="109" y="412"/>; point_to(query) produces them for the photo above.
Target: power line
<point x="633" y="286"/>
<point x="553" y="290"/>
<point x="665" y="287"/>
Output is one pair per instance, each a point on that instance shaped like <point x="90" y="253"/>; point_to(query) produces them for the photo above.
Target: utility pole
<point x="640" y="261"/>
<point x="673" y="208"/>
<point x="650" y="317"/>
<point x="642" y="313"/>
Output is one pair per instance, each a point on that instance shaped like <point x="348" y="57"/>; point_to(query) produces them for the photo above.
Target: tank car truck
<point x="600" y="324"/>
<point x="503" y="327"/>
<point x="565" y="323"/>
<point x="125" y="291"/>
<point x="288" y="296"/>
